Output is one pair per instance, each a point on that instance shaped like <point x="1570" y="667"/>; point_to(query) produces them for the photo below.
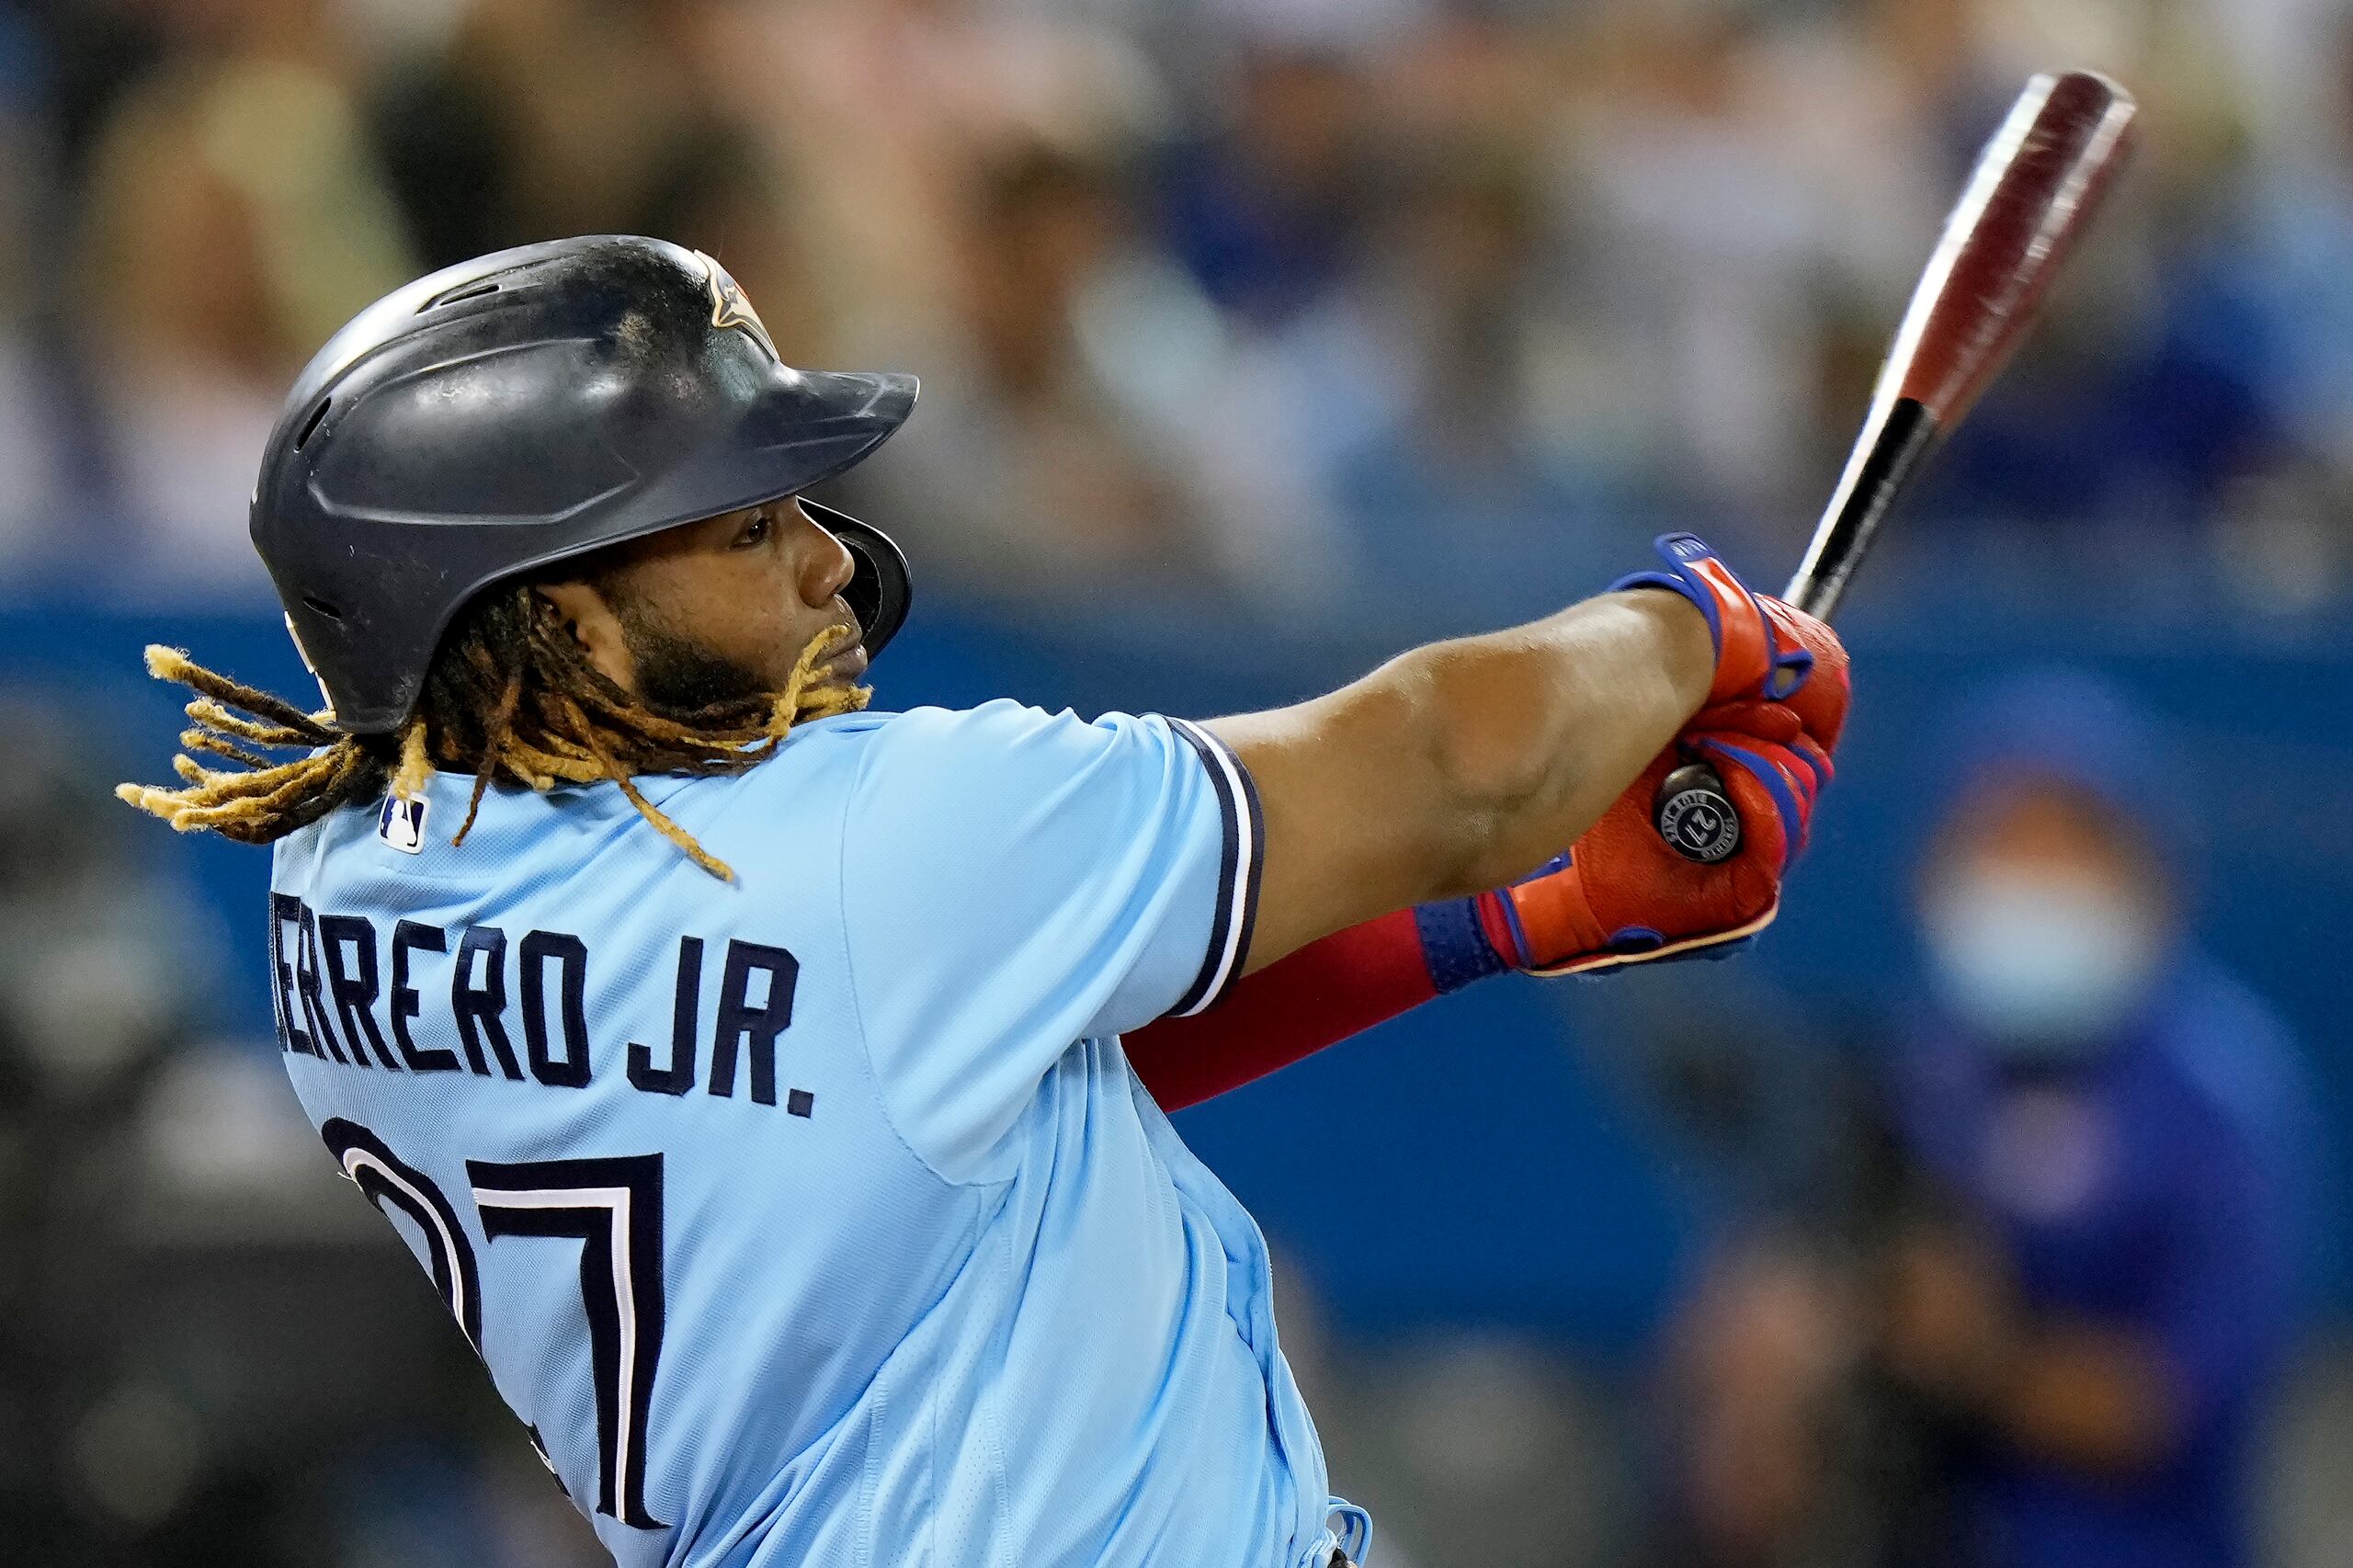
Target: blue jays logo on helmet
<point x="730" y="306"/>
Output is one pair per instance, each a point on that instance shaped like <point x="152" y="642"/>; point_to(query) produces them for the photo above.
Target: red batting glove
<point x="1621" y="895"/>
<point x="1775" y="713"/>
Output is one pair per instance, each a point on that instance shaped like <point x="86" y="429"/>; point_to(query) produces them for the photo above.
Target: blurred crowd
<point x="1367" y="320"/>
<point x="1419" y="312"/>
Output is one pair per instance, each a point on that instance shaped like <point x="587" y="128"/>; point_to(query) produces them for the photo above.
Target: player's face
<point x="717" y="610"/>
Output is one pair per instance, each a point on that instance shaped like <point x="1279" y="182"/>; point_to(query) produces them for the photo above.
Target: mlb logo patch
<point x="401" y="823"/>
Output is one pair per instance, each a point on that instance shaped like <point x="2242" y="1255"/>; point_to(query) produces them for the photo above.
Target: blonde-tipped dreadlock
<point x="510" y="696"/>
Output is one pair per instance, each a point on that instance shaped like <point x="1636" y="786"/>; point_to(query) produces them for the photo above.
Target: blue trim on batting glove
<point x="1680" y="550"/>
<point x="1790" y="668"/>
<point x="1676" y="582"/>
<point x="1636" y="939"/>
<point x="1785" y="799"/>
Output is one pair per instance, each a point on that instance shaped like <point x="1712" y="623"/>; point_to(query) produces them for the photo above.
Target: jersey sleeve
<point x="1015" y="881"/>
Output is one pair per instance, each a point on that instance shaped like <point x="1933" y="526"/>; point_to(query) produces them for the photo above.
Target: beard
<point x="678" y="677"/>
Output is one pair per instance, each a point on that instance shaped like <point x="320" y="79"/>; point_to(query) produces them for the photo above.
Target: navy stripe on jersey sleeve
<point x="1238" y="871"/>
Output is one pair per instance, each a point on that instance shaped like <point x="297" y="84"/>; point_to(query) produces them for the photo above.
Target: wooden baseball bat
<point x="2039" y="185"/>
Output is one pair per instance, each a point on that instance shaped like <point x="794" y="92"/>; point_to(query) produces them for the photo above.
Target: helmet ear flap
<point x="880" y="590"/>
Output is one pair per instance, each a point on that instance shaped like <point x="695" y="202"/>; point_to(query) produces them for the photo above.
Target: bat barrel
<point x="2044" y="173"/>
<point x="2041" y="177"/>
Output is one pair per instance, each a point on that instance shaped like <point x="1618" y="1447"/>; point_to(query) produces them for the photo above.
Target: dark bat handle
<point x="1693" y="811"/>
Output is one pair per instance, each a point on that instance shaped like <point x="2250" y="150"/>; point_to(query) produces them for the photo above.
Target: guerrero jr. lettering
<point x="334" y="1004"/>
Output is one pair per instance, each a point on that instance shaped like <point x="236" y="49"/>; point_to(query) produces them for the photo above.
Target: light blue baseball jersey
<point x="818" y="1219"/>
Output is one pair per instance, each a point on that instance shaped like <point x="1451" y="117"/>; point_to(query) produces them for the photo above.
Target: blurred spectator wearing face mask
<point x="2090" y="1302"/>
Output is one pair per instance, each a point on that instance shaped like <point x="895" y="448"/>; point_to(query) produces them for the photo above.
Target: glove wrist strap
<point x="1467" y="939"/>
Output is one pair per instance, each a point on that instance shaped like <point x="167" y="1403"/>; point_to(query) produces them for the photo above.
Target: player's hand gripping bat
<point x="2038" y="187"/>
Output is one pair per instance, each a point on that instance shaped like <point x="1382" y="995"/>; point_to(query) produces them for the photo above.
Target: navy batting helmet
<point x="524" y="407"/>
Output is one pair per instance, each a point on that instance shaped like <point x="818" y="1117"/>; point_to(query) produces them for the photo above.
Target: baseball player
<point x="744" y="1067"/>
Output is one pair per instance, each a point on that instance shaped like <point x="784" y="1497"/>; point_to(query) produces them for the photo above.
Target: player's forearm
<point x="1463" y="765"/>
<point x="1530" y="734"/>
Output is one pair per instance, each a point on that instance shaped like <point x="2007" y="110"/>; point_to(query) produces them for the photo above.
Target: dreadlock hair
<point x="510" y="696"/>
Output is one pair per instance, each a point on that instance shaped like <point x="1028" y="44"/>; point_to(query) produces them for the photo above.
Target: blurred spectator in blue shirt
<point x="2091" y="1301"/>
<point x="2039" y="1319"/>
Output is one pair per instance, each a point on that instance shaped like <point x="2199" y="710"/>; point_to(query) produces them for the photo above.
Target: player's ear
<point x="588" y="616"/>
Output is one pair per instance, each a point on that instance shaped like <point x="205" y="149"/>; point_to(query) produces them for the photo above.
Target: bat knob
<point x="1695" y="814"/>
